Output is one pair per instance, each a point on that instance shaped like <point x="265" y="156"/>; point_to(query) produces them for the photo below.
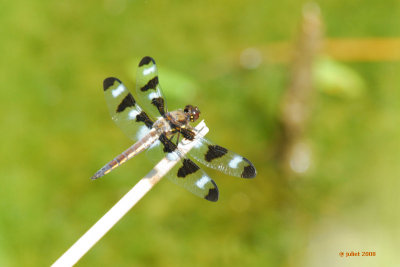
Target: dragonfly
<point x="154" y="128"/>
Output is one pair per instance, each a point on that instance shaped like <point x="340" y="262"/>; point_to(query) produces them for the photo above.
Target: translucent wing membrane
<point x="124" y="110"/>
<point x="190" y="176"/>
<point x="148" y="88"/>
<point x="222" y="159"/>
<point x="185" y="173"/>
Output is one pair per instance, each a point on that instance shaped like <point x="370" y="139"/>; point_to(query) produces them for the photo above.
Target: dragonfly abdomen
<point x="132" y="151"/>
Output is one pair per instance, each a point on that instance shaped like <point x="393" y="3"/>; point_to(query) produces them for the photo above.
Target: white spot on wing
<point x="142" y="132"/>
<point x="133" y="114"/>
<point x="153" y="95"/>
<point x="117" y="91"/>
<point x="149" y="70"/>
<point x="202" y="181"/>
<point x="235" y="161"/>
<point x="172" y="156"/>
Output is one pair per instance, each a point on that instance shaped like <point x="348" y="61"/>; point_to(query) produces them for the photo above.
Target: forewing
<point x="222" y="159"/>
<point x="148" y="88"/>
<point x="124" y="110"/>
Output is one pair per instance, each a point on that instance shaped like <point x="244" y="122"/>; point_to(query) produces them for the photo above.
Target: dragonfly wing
<point x="222" y="159"/>
<point x="186" y="173"/>
<point x="148" y="88"/>
<point x="124" y="110"/>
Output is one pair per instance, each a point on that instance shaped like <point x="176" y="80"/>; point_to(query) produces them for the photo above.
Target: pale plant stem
<point x="102" y="226"/>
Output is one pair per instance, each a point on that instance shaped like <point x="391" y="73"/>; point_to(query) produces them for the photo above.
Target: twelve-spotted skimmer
<point x="156" y="129"/>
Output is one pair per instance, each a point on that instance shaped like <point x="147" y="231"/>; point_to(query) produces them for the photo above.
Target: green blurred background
<point x="56" y="132"/>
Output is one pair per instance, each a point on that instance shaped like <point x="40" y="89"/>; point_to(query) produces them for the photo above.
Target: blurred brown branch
<point x="362" y="49"/>
<point x="294" y="154"/>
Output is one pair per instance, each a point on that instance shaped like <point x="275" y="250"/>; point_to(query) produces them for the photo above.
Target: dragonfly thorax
<point x="162" y="126"/>
<point x="177" y="118"/>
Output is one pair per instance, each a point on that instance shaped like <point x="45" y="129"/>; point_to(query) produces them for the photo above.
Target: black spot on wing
<point x="215" y="152"/>
<point x="212" y="193"/>
<point x="146" y="60"/>
<point x="249" y="171"/>
<point x="159" y="103"/>
<point x="107" y="83"/>
<point x="152" y="84"/>
<point x="142" y="116"/>
<point x="127" y="102"/>
<point x="187" y="168"/>
<point x="168" y="145"/>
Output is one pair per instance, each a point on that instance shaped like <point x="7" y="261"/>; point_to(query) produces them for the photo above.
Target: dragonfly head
<point x="192" y="113"/>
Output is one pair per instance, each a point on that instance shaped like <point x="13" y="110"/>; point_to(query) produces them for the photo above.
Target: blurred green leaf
<point x="337" y="79"/>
